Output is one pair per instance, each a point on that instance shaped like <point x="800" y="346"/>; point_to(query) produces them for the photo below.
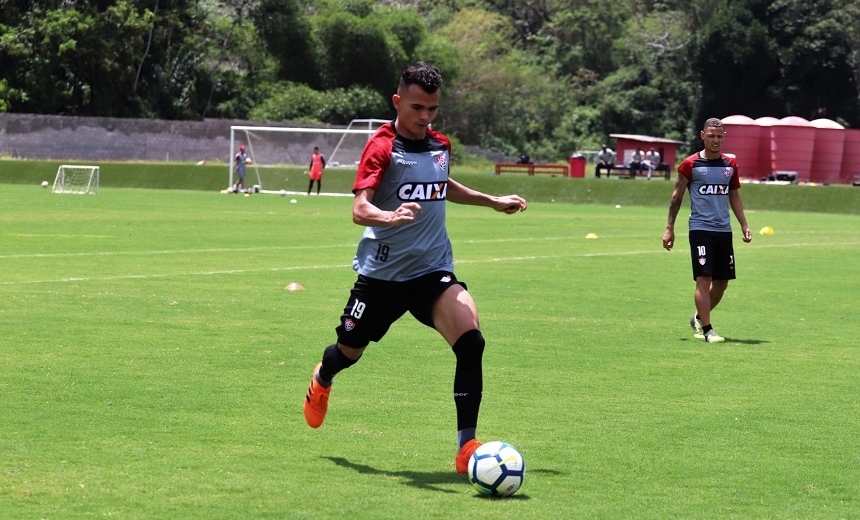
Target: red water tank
<point x="851" y="157"/>
<point x="827" y="152"/>
<point x="791" y="141"/>
<point x="765" y="161"/>
<point x="744" y="142"/>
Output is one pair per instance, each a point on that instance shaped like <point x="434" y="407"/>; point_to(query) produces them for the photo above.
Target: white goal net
<point x="77" y="179"/>
<point x="274" y="152"/>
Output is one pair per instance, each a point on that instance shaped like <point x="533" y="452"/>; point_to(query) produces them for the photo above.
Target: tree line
<point x="546" y="77"/>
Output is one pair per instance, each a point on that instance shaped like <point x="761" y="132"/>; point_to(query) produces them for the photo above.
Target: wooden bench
<point x="532" y="169"/>
<point x="623" y="171"/>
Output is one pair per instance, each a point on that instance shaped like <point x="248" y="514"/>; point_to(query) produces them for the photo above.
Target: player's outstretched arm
<point x="460" y="194"/>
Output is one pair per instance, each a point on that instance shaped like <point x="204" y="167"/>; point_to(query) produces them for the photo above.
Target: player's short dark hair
<point x="713" y="122"/>
<point x="425" y="76"/>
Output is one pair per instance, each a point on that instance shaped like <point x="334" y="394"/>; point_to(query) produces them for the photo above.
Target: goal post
<point x="77" y="179"/>
<point x="272" y="150"/>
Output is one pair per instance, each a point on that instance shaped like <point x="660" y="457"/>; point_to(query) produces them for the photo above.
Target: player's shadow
<point x="426" y="479"/>
<point x="420" y="479"/>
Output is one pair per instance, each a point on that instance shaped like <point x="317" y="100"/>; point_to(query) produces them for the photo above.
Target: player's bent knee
<point x="334" y="356"/>
<point x="470" y="345"/>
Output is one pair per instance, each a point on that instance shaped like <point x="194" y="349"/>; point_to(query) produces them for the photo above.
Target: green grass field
<point x="153" y="366"/>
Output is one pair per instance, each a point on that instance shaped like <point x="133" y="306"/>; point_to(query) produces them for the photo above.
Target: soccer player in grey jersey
<point x="404" y="259"/>
<point x="712" y="180"/>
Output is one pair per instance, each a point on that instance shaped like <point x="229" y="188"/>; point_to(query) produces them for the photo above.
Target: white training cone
<point x="293" y="286"/>
<point x="591" y="235"/>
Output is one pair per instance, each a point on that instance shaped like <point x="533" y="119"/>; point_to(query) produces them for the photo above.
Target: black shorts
<point x="712" y="255"/>
<point x="374" y="305"/>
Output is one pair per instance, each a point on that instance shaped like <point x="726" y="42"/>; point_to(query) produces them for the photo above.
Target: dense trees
<point x="543" y="76"/>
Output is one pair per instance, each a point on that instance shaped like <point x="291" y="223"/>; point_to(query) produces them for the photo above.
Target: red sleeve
<point x="374" y="160"/>
<point x="686" y="167"/>
<point x="735" y="181"/>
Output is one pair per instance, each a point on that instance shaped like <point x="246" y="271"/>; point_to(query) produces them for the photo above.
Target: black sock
<point x="333" y="361"/>
<point x="468" y="378"/>
<point x="706" y="329"/>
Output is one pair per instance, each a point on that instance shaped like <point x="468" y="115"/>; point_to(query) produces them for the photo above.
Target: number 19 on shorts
<point x="357" y="309"/>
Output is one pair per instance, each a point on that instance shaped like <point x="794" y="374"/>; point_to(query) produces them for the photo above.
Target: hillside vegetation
<point x="547" y="78"/>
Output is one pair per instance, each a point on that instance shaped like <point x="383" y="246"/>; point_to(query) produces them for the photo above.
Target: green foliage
<point x="297" y="102"/>
<point x="48" y="64"/>
<point x="548" y="77"/>
<point x="289" y="102"/>
<point x="407" y="27"/>
<point x="582" y="37"/>
<point x="789" y="58"/>
<point x="442" y="54"/>
<point x="297" y="50"/>
<point x="378" y="63"/>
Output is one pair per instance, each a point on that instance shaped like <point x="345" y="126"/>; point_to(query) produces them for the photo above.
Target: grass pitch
<point x="153" y="366"/>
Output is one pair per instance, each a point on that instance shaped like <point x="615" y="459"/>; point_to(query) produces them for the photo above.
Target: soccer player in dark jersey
<point x="712" y="180"/>
<point x="404" y="258"/>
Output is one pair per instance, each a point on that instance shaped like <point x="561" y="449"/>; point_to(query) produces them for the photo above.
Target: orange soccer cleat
<point x="465" y="453"/>
<point x="316" y="402"/>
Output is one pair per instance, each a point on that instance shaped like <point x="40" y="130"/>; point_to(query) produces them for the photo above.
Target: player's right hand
<point x="668" y="239"/>
<point x="405" y="213"/>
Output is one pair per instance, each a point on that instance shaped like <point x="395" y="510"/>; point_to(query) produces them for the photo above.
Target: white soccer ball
<point x="497" y="469"/>
<point x="248" y="160"/>
<point x="44" y="184"/>
<point x="283" y="193"/>
<point x="230" y="189"/>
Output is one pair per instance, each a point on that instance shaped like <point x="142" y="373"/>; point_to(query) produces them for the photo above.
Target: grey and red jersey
<point x="405" y="170"/>
<point x="709" y="183"/>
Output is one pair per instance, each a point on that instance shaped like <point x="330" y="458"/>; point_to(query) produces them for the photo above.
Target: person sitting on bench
<point x="652" y="159"/>
<point x="637" y="163"/>
<point x="605" y="161"/>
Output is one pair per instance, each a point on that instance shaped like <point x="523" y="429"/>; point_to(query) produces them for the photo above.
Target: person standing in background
<point x="315" y="170"/>
<point x="713" y="181"/>
<point x="239" y="163"/>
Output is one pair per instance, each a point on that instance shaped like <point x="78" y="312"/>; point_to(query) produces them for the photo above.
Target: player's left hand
<point x="510" y="204"/>
<point x="747" y="234"/>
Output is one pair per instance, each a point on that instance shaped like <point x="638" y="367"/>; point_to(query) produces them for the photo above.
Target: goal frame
<point x="85" y="183"/>
<point x="356" y="126"/>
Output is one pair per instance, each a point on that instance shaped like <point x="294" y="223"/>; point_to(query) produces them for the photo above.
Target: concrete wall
<point x="47" y="137"/>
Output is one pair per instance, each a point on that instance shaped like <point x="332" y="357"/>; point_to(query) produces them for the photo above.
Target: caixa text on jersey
<point x="414" y="191"/>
